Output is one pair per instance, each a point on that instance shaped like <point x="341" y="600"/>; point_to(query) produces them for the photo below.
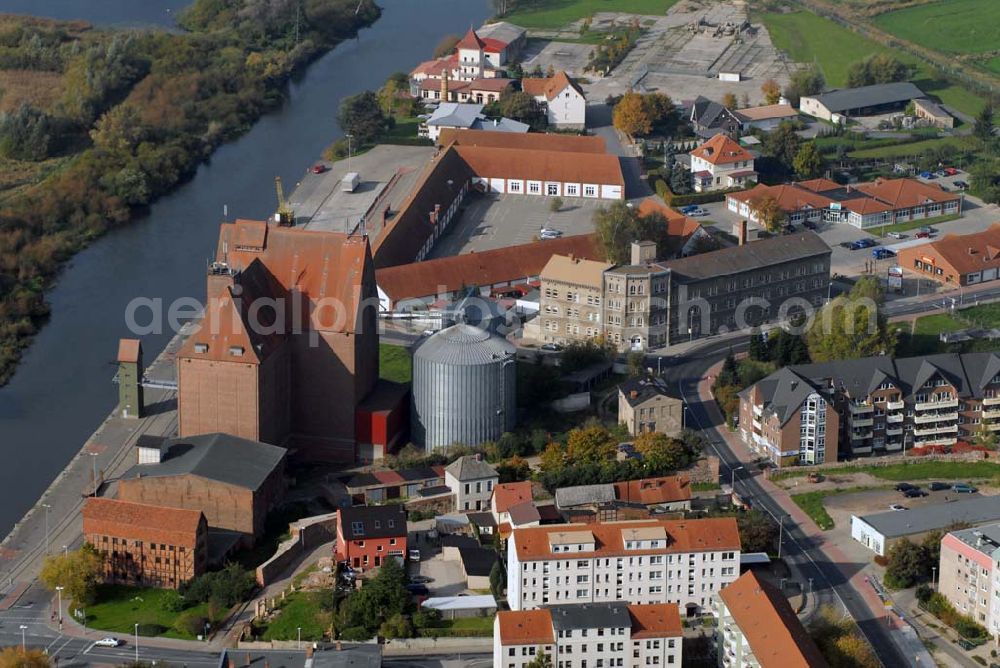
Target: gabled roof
<point x="524" y="513"/>
<point x="221" y="457"/>
<point x="905" y="192"/>
<point x="847" y="99"/>
<point x="455" y="114"/>
<point x="471" y="467"/>
<point x="721" y="150"/>
<point x="708" y="114"/>
<point x="967" y="253"/>
<point x="637" y="391"/>
<point x="975" y="510"/>
<point x="549" y="87"/>
<point x="653" y="491"/>
<point x="387" y="521"/>
<point x="536" y="165"/>
<point x="511" y="494"/>
<point x="140" y="521"/>
<point x="767" y="112"/>
<point x="680" y="228"/>
<point x="525" y="627"/>
<point x="769" y="624"/>
<point x="471" y="41"/>
<point x="783" y="392"/>
<point x="655" y="620"/>
<point x="575" y="270"/>
<point x="535" y="141"/>
<point x="581" y="495"/>
<point x="737" y="259"/>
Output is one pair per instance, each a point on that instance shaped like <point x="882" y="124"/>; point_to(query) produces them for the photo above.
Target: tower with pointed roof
<point x="471" y="56"/>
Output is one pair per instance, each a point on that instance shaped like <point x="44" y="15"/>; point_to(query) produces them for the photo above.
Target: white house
<point x="564" y="101"/>
<point x="466" y="117"/>
<point x="471" y="480"/>
<point x="589" y="634"/>
<point x="721" y="163"/>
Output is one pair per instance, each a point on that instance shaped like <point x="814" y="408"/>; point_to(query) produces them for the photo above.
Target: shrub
<point x="172" y="601"/>
<point x="355" y="633"/>
<point x="881" y="560"/>
<point x="924" y="593"/>
<point x="152" y="629"/>
<point x="663" y="190"/>
<point x="191" y="623"/>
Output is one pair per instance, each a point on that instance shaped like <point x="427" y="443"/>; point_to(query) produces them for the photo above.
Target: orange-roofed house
<point x="563" y="99"/>
<point x="721" y="163"/>
<point x="144" y="545"/>
<point x="508" y="495"/>
<point x="757" y="627"/>
<point x="956" y="259"/>
<point x="599" y="634"/>
<point x="623" y="561"/>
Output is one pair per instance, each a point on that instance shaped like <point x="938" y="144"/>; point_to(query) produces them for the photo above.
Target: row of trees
<point x="639" y="115"/>
<point x="619" y="224"/>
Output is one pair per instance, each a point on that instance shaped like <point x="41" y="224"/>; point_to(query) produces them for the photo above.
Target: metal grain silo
<point x="464" y="388"/>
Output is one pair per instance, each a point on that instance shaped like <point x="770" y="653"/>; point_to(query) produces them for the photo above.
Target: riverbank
<point x="102" y="122"/>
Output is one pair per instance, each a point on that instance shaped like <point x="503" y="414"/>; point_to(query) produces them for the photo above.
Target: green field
<point x="394" y="363"/>
<point x="812" y="504"/>
<point x="120" y="608"/>
<point x="987" y="315"/>
<point x="553" y="14"/>
<point x="809" y="38"/>
<point x="300" y="610"/>
<point x="918" y="470"/>
<point x="949" y="26"/>
<point x="912" y="224"/>
<point x="911" y="149"/>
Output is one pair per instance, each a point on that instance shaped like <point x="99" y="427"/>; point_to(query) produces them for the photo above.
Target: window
<point x="552" y="189"/>
<point x="534" y="188"/>
<point x="358" y="528"/>
<point x="590" y="191"/>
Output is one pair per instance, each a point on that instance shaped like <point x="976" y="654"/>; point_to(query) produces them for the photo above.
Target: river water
<point x="62" y="390"/>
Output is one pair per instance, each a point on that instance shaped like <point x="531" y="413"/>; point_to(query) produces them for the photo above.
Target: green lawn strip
<point x="404" y="127"/>
<point x="918" y="470"/>
<point x="987" y="315"/>
<point x="394" y="363"/>
<point x="911" y="225"/>
<point x="910" y="149"/>
<point x="932" y="325"/>
<point x="554" y="14"/>
<point x="705" y="486"/>
<point x="948" y="26"/>
<point x="301" y="609"/>
<point x="120" y="608"/>
<point x="812" y="504"/>
<point x="810" y="38"/>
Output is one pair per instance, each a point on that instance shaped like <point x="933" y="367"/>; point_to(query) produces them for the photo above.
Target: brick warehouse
<point x="300" y="382"/>
<point x="146" y="545"/>
<point x="235" y="482"/>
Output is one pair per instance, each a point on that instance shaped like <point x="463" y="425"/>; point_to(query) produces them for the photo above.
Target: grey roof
<point x="755" y="255"/>
<point x="477" y="561"/>
<point x="482" y="519"/>
<point x="524" y="513"/>
<point x="709" y="114"/>
<point x="783" y="393"/>
<point x="499" y="125"/>
<point x="463" y="345"/>
<point x="645" y="389"/>
<point x="590" y="616"/>
<point x="580" y="495"/>
<point x="455" y="115"/>
<point x="471" y="467"/>
<point x="985" y="539"/>
<point x="501" y="30"/>
<point x="368" y="655"/>
<point x="376" y="521"/>
<point x="933" y="108"/>
<point x="868" y="96"/>
<point x="974" y="510"/>
<point x="222" y="457"/>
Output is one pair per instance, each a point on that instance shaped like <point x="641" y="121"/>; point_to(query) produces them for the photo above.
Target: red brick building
<point x="145" y="545"/>
<point x="367" y="535"/>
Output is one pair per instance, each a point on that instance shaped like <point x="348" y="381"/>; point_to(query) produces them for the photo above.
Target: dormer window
<point x="201" y="347"/>
<point x="358" y="528"/>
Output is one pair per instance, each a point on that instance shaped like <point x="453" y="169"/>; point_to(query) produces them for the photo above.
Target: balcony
<point x="991" y="412"/>
<point x="944" y="429"/>
<point x="861" y="435"/>
<point x="894" y="405"/>
<point x="936" y="405"/>
<point x="991" y="401"/>
<point x="935" y="440"/>
<point x="858" y="409"/>
<point x="893" y="431"/>
<point x="935" y="417"/>
<point x="995" y="426"/>
<point x="861" y="450"/>
<point x="758" y="410"/>
<point x="893" y="447"/>
<point x="757" y="425"/>
<point x="861" y="422"/>
<point x="894" y="417"/>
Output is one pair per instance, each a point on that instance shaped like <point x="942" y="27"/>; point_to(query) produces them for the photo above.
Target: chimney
<point x="742" y="236"/>
<point x="437" y="210"/>
<point x="444" y="86"/>
<point x="634" y="394"/>
<point x="643" y="252"/>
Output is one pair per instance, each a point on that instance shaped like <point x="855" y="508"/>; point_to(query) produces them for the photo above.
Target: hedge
<point x="663" y="190"/>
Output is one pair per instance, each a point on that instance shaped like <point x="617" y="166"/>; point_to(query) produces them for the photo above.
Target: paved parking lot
<point x="499" y="221"/>
<point x="446" y="576"/>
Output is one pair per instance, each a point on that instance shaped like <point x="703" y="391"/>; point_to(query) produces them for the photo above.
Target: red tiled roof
<point x="526" y="627"/>
<point x="865" y="205"/>
<point x="549" y="87"/>
<point x="967" y="253"/>
<point x="491" y="45"/>
<point x="537" y="165"/>
<point x="471" y="41"/>
<point x="502" y="265"/>
<point x="819" y="185"/>
<point x="510" y="494"/>
<point x="524" y="140"/>
<point x="701" y="535"/>
<point x="487" y="85"/>
<point x="789" y="196"/>
<point x="388" y="477"/>
<point x="649" y="491"/>
<point x="139" y="521"/>
<point x="902" y="193"/>
<point x="721" y="150"/>
<point x="679" y="227"/>
<point x="769" y="625"/>
<point x="655" y="620"/>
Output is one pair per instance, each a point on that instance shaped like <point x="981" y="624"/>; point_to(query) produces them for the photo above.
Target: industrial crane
<point x="284" y="214"/>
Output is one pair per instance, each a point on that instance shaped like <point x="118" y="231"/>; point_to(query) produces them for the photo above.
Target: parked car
<point x="961" y="185"/>
<point x="697" y="213"/>
<point x="914" y="493"/>
<point x="938" y="486"/>
<point x="686" y="210"/>
<point x="849" y="245"/>
<point x="319" y="169"/>
<point x="420" y="579"/>
<point x="810" y="225"/>
<point x="950" y="171"/>
<point x="928" y="230"/>
<point x="941" y="173"/>
<point x="963" y="488"/>
<point x="922" y="235"/>
<point x="414" y="554"/>
<point x="553" y="347"/>
<point x="896" y="506"/>
<point x="927" y="176"/>
<point x="904" y="487"/>
<point x="882" y="253"/>
<point x="418" y="589"/>
<point x="896" y="235"/>
<point x="110" y="641"/>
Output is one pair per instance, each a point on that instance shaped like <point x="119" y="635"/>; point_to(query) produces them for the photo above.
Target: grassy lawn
<point x="120" y="608"/>
<point x="484" y="624"/>
<point x="912" y="148"/>
<point x="394" y="363"/>
<point x="812" y="504"/>
<point x="987" y="315"/>
<point x="553" y="14"/>
<point x="705" y="486"/>
<point x="301" y="610"/>
<point x="404" y="127"/>
<point x="809" y="38"/>
<point x="932" y="325"/>
<point x="912" y="225"/>
<point x="917" y="470"/>
<point x="949" y="26"/>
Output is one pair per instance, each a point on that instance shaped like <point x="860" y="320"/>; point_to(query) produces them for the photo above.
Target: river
<point x="62" y="389"/>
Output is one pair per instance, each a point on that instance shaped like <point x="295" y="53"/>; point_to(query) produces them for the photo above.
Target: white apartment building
<point x="589" y="635"/>
<point x="721" y="163"/>
<point x="471" y="481"/>
<point x="642" y="562"/>
<point x="564" y="101"/>
<point x="757" y="628"/>
<point x="970" y="574"/>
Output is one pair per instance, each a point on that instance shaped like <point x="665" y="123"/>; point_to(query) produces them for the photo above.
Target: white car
<point x="108" y="642"/>
<point x="414" y="555"/>
<point x="896" y="506"/>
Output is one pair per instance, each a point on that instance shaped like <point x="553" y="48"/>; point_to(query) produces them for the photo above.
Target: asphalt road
<point x="828" y="583"/>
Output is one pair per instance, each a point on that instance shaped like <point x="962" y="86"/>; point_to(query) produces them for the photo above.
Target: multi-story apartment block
<point x="721" y="163"/>
<point x="589" y="635"/>
<point x="758" y="629"/>
<point x="642" y="561"/>
<point x="970" y="574"/>
<point x="649" y="304"/>
<point x="879" y="404"/>
<point x="143" y="545"/>
<point x="571" y="299"/>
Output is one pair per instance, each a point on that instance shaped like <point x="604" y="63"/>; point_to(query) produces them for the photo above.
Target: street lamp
<point x="23" y="643"/>
<point x="732" y="480"/>
<point x="46" y="507"/>
<point x="299" y="645"/>
<point x="933" y="577"/>
<point x="781" y="533"/>
<point x="59" y="591"/>
<point x="137" y="643"/>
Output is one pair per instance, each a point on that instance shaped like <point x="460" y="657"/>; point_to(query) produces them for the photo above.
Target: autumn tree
<point x="78" y="572"/>
<point x="661" y="452"/>
<point x="631" y="116"/>
<point x="909" y="564"/>
<point x="771" y="91"/>
<point x="590" y="444"/>
<point x="13" y="657"/>
<point x="446" y="45"/>
<point x="983" y="126"/>
<point x="808" y="162"/>
<point x="839" y="640"/>
<point x="660" y="110"/>
<point x="768" y="212"/>
<point x="852" y="325"/>
<point x="553" y="457"/>
<point x="729" y="101"/>
<point x="758" y="532"/>
<point x="541" y="660"/>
